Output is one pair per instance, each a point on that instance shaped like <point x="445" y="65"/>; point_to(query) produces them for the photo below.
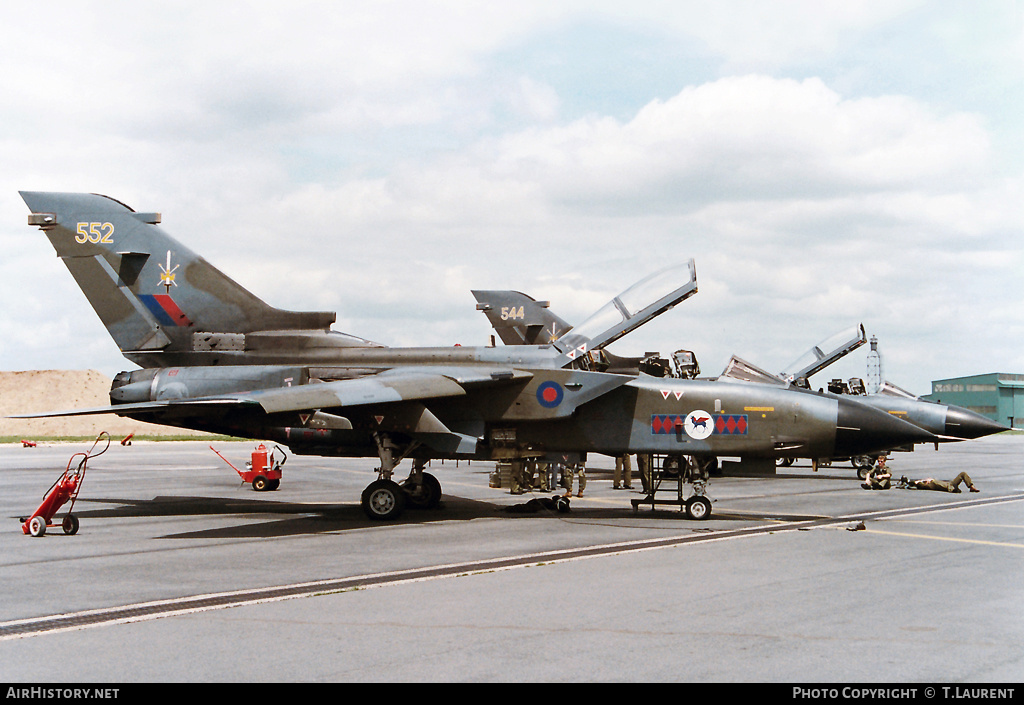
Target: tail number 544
<point x="511" y="313"/>
<point x="95" y="233"/>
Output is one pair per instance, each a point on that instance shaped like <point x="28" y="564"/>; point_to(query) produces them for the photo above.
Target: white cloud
<point x="748" y="137"/>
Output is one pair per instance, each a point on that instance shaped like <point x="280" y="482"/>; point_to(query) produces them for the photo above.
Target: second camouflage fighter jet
<point x="946" y="421"/>
<point x="514" y="315"/>
<point x="214" y="357"/>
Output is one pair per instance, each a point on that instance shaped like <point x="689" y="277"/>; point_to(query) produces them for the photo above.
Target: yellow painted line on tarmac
<point x="589" y="499"/>
<point x="945" y="538"/>
<point x="958" y="523"/>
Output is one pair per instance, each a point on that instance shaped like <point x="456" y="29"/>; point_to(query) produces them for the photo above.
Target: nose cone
<point x="964" y="423"/>
<point x="861" y="429"/>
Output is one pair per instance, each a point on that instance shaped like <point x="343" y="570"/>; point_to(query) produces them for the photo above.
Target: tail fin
<point x="152" y="293"/>
<point x="519" y="319"/>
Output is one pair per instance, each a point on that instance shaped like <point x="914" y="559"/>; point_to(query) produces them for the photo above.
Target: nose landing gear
<point x="684" y="470"/>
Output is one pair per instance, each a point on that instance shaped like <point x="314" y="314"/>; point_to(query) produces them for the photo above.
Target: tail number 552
<point x="96" y="233"/>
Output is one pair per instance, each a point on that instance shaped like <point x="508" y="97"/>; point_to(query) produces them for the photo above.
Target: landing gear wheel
<point x="259" y="483"/>
<point x="70" y="525"/>
<point x="698" y="508"/>
<point x="383" y="500"/>
<point x="863" y="463"/>
<point x="37" y="526"/>
<point x="423" y="495"/>
<point x="670" y="466"/>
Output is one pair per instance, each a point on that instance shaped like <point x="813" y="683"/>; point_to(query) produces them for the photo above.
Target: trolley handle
<point x="90" y="454"/>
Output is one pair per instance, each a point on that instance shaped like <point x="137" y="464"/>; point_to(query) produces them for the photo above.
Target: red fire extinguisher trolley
<point x="263" y="472"/>
<point x="64" y="490"/>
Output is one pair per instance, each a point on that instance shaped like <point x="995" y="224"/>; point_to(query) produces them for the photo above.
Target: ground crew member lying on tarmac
<point x="938" y="485"/>
<point x="537" y="504"/>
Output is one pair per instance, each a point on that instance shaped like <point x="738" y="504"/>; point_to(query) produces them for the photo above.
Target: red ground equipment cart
<point x="263" y="472"/>
<point x="64" y="490"/>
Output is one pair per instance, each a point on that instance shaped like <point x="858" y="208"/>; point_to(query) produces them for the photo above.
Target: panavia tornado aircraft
<point x="520" y="315"/>
<point x="946" y="422"/>
<point x="214" y="357"/>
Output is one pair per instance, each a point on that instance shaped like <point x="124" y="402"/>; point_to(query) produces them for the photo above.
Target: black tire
<point x="698" y="508"/>
<point x="70" y="525"/>
<point x="383" y="500"/>
<point x="273" y="485"/>
<point x="864" y="464"/>
<point x="426" y="496"/>
<point x="260" y="483"/>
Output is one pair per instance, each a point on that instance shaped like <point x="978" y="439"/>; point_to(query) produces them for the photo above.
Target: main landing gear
<point x="684" y="470"/>
<point x="384" y="499"/>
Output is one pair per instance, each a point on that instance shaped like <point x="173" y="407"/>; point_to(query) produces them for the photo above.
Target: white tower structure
<point x="875" y="378"/>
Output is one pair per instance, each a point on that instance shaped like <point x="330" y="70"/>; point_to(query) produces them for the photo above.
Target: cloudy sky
<point x="825" y="164"/>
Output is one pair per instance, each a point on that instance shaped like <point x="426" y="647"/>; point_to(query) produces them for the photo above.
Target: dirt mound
<point x="61" y="390"/>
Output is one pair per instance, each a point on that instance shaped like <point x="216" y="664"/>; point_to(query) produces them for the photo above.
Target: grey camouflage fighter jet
<point x="214" y="357"/>
<point x="945" y="421"/>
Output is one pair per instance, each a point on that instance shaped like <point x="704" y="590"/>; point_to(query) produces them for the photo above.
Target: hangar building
<point x="997" y="396"/>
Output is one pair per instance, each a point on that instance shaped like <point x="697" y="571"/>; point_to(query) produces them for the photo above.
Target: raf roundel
<point x="549" y="394"/>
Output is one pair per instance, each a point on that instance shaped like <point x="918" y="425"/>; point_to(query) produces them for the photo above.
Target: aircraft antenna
<point x="874" y="367"/>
